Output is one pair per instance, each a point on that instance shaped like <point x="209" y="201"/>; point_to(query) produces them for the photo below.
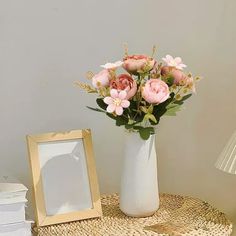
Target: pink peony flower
<point x="174" y="62"/>
<point x="101" y="79"/>
<point x="138" y="63"/>
<point x="155" y="91"/>
<point x="124" y="82"/>
<point x="116" y="102"/>
<point x="179" y="76"/>
<point x="112" y="66"/>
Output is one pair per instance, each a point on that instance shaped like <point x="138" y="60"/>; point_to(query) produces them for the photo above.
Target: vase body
<point x="139" y="196"/>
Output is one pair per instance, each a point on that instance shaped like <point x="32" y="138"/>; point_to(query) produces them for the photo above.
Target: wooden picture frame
<point x="35" y="144"/>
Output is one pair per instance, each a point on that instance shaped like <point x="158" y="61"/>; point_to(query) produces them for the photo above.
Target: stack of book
<point x="12" y="208"/>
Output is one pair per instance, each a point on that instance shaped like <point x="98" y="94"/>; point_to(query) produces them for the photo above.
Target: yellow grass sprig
<point x="86" y="87"/>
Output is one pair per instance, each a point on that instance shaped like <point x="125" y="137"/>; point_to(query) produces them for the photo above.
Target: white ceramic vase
<point x="139" y="196"/>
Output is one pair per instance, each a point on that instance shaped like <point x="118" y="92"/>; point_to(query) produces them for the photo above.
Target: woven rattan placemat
<point x="177" y="215"/>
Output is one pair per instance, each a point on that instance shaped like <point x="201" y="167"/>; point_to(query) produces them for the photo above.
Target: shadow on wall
<point x="65" y="183"/>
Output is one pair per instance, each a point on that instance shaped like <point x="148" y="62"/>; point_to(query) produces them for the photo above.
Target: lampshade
<point x="227" y="159"/>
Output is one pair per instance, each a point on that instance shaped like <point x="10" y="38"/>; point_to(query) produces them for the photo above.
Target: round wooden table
<point x="177" y="215"/>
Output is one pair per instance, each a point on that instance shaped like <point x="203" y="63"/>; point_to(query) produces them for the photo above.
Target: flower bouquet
<point x="138" y="97"/>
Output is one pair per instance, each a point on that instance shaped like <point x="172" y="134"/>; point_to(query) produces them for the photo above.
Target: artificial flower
<point x="124" y="82"/>
<point x="112" y="66"/>
<point x="180" y="78"/>
<point x="133" y="96"/>
<point x="155" y="91"/>
<point x="174" y="62"/>
<point x="138" y="64"/>
<point x="116" y="102"/>
<point x="101" y="79"/>
<point x="190" y="84"/>
<point x="155" y="72"/>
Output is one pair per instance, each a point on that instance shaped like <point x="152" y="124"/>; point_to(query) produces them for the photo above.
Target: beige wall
<point x="46" y="45"/>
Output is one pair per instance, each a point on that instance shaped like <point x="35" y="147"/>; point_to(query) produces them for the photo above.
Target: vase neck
<point x="134" y="137"/>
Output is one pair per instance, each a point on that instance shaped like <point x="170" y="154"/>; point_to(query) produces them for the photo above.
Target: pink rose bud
<point x="136" y="64"/>
<point x="124" y="82"/>
<point x="165" y="70"/>
<point x="155" y="91"/>
<point x="101" y="79"/>
<point x="180" y="78"/>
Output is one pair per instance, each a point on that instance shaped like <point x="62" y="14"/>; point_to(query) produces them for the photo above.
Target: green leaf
<point x="144" y="109"/>
<point x="170" y="81"/>
<point x="121" y="120"/>
<point x="101" y="103"/>
<point x="150" y="109"/>
<point x="172" y="105"/>
<point x="131" y="126"/>
<point x="150" y="117"/>
<point x="160" y="109"/>
<point x="133" y="105"/>
<point x="96" y="109"/>
<point x="154" y="123"/>
<point x="136" y="127"/>
<point x="172" y="109"/>
<point x="146" y="132"/>
<point x="111" y="116"/>
<point x="183" y="99"/>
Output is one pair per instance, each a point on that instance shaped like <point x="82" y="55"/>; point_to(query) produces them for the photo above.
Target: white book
<point x="11" y="191"/>
<point x="12" y="213"/>
<point x="18" y="229"/>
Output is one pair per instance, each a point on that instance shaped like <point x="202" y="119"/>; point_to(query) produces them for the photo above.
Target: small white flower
<point x="112" y="65"/>
<point x="174" y="62"/>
